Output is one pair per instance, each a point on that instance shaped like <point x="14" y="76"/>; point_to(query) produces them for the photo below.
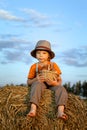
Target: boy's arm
<point x="59" y="80"/>
<point x="30" y="81"/>
<point x="31" y="75"/>
<point x="39" y="78"/>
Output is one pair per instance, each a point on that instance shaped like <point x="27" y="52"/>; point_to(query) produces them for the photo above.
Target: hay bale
<point x="14" y="107"/>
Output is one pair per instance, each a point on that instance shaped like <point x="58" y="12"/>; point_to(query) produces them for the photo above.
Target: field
<point x="14" y="106"/>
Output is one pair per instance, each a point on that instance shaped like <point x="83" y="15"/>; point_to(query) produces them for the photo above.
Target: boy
<point x="39" y="83"/>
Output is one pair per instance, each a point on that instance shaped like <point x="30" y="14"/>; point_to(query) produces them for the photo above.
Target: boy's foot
<point x="63" y="116"/>
<point x="32" y="112"/>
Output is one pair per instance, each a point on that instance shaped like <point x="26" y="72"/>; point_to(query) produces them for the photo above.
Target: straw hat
<point x="43" y="45"/>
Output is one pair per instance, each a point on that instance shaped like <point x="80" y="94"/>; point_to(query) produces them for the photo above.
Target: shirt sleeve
<point x="32" y="72"/>
<point x="56" y="67"/>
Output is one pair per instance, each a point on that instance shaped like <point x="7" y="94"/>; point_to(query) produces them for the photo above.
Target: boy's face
<point x="42" y="56"/>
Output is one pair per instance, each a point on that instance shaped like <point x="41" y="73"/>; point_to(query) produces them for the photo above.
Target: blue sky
<point x="23" y="23"/>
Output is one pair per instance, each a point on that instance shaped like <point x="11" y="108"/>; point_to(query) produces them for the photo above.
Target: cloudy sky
<point x="23" y="23"/>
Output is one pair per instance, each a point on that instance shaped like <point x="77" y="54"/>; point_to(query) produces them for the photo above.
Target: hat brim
<point x="33" y="53"/>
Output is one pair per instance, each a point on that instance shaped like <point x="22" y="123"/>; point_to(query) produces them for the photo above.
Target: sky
<point x="23" y="23"/>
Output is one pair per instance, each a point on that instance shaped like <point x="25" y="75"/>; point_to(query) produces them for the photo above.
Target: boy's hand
<point x="40" y="78"/>
<point x="51" y="82"/>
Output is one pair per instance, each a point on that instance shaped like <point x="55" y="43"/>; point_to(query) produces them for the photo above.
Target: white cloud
<point x="8" y="16"/>
<point x="35" y="15"/>
<point x="75" y="57"/>
<point x="38" y="19"/>
<point x="15" y="50"/>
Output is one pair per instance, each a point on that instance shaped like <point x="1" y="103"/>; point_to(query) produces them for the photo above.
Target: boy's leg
<point x="37" y="89"/>
<point x="61" y="97"/>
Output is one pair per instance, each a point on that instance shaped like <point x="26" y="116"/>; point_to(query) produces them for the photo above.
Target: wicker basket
<point x="52" y="75"/>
